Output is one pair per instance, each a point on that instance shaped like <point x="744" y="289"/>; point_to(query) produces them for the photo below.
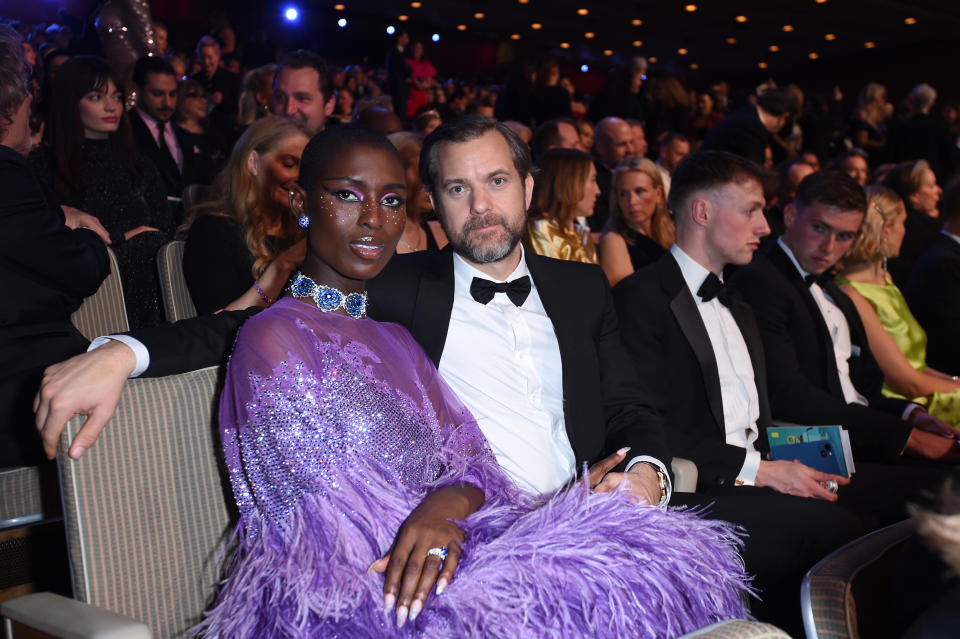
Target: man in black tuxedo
<point x="576" y="398"/>
<point x="223" y="87"/>
<point x="157" y="137"/>
<point x="746" y="132"/>
<point x="821" y="369"/>
<point x="933" y="291"/>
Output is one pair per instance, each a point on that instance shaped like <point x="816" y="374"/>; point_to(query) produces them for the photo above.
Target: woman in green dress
<point x="896" y="338"/>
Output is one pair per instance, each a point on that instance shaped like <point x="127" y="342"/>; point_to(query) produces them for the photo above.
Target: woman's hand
<point x="77" y="219"/>
<point x="292" y="258"/>
<point x="138" y="231"/>
<point x="410" y="572"/>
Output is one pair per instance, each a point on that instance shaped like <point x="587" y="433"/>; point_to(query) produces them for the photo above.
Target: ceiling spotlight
<point x="291" y="14"/>
<point x="564" y="45"/>
<point x="741" y="18"/>
<point x="910" y="21"/>
<point x="583" y="12"/>
<point x="813" y="55"/>
<point x="773" y="48"/>
<point x="870" y="45"/>
<point x="584" y="68"/>
<point x="342" y="22"/>
<point x="536" y="25"/>
<point x="435" y="37"/>
<point x="523" y="1"/>
<point x="479" y="15"/>
<point x="820" y="1"/>
<point x="416" y="5"/>
<point x="731" y="40"/>
<point x="787" y="28"/>
<point x="608" y="52"/>
<point x="682" y="51"/>
<point x="690" y="8"/>
<point x="694" y="66"/>
<point x="391" y="30"/>
<point x="461" y="27"/>
<point x="514" y="36"/>
<point x="589" y="34"/>
<point x="636" y="22"/>
<point x="638" y="43"/>
<point x="652" y="59"/>
<point x="830" y="36"/>
<point x="403" y="17"/>
<point x="339" y="7"/>
<point x="762" y="65"/>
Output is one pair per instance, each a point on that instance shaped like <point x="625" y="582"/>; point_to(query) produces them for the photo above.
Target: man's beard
<point x="494" y="249"/>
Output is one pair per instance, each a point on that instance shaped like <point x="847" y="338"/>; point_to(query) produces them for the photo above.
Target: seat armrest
<point x="68" y="618"/>
<point x="684" y="475"/>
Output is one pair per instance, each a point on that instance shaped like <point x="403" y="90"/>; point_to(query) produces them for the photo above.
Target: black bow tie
<point x="711" y="288"/>
<point x="821" y="279"/>
<point x="483" y="290"/>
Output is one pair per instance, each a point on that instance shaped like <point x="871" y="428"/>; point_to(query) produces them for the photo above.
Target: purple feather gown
<point x="334" y="429"/>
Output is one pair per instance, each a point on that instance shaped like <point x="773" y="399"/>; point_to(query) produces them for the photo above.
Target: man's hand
<point x="642" y="480"/>
<point x="794" y="478"/>
<point x="926" y="422"/>
<point x="75" y="219"/>
<point x="932" y="446"/>
<point x="89" y="384"/>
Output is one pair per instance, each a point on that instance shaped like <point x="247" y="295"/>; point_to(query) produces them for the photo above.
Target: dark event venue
<point x="480" y="319"/>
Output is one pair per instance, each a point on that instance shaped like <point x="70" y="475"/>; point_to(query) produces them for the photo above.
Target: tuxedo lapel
<point x="783" y="262"/>
<point x="434" y="305"/>
<point x="688" y="318"/>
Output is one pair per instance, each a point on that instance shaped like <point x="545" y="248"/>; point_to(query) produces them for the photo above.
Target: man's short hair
<point x="548" y="134"/>
<point x="207" y="41"/>
<point x="14" y="75"/>
<point x="856" y="151"/>
<point x="950" y="201"/>
<point x="705" y="170"/>
<point x="776" y="102"/>
<point x="148" y="65"/>
<point x="923" y="96"/>
<point x="469" y="127"/>
<point x="671" y="137"/>
<point x="303" y="59"/>
<point x="831" y="188"/>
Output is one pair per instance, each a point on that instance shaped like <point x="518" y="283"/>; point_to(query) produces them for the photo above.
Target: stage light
<point x="435" y="37"/>
<point x="787" y="28"/>
<point x="338" y="7"/>
<point x="682" y="51"/>
<point x="461" y="27"/>
<point x="830" y="36"/>
<point x="342" y="22"/>
<point x="638" y="43"/>
<point x="291" y="13"/>
<point x="691" y="8"/>
<point x="536" y="25"/>
<point x="910" y="21"/>
<point x="731" y="40"/>
<point x="403" y="17"/>
<point x="514" y="36"/>
<point x="636" y="22"/>
<point x="813" y="55"/>
<point x="741" y="18"/>
<point x="391" y="30"/>
<point x="584" y="68"/>
<point x="870" y="45"/>
<point x="762" y="65"/>
<point x="564" y="45"/>
<point x="583" y="12"/>
<point x="608" y="52"/>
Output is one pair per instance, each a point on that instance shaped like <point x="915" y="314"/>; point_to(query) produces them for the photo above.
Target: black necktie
<point x="483" y="290"/>
<point x="164" y="149"/>
<point x="711" y="288"/>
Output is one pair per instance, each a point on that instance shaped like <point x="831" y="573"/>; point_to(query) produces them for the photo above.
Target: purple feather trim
<point x="581" y="564"/>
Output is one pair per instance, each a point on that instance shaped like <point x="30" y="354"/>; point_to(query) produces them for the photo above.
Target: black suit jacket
<point x="669" y="345"/>
<point x="803" y="383"/>
<point x="605" y="406"/>
<point x="742" y="133"/>
<point x="933" y="294"/>
<point x="195" y="166"/>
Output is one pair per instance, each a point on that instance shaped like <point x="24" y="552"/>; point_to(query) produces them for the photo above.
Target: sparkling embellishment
<point x="439" y="552"/>
<point x="328" y="298"/>
<point x="303" y="221"/>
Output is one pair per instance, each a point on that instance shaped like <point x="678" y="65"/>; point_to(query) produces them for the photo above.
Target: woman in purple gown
<point x="370" y="504"/>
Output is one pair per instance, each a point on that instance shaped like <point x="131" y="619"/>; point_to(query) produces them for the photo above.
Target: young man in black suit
<point x="746" y="132"/>
<point x="933" y="291"/>
<point x="820" y="368"/>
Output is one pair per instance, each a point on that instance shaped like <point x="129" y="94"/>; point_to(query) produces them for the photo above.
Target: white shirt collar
<point x="693" y="272"/>
<point x="149" y="119"/>
<point x="464" y="273"/>
<point x="786" y="249"/>
<point x="955" y="238"/>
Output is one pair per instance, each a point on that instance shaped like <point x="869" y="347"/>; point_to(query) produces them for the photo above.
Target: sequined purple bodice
<point x="326" y="409"/>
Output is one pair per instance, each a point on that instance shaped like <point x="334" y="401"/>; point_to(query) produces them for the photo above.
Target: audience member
<point x="896" y="338"/>
<point x="91" y="164"/>
<point x="422" y="74"/>
<point x="243" y="245"/>
<point x="420" y="233"/>
<point x="221" y="85"/>
<point x="559" y="133"/>
<point x="343" y="108"/>
<point x="256" y="97"/>
<point x="923" y="136"/>
<point x="933" y="290"/>
<point x="399" y="73"/>
<point x="161" y="39"/>
<point x="564" y="189"/>
<point x="640" y="146"/>
<point x="854" y="163"/>
<point x="822" y="369"/>
<point x="381" y="119"/>
<point x="790" y="174"/>
<point x="747" y="131"/>
<point x="673" y="148"/>
<point x="585" y="129"/>
<point x="866" y="127"/>
<point x="917" y="186"/>
<point x="706" y="116"/>
<point x="612" y="142"/>
<point x="50" y="259"/>
<point x="550" y="100"/>
<point x="179" y="162"/>
<point x="425" y="123"/>
<point x="622" y="95"/>
<point x="639" y="228"/>
<point x="522" y="131"/>
<point x="301" y="89"/>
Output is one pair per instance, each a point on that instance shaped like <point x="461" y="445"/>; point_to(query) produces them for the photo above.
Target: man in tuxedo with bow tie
<point x="821" y="368"/>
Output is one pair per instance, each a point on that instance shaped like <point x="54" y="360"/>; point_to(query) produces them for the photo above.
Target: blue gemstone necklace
<point x="328" y="298"/>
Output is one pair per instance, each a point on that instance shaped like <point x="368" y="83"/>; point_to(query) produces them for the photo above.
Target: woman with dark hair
<point x="244" y="243"/>
<point x="916" y="184"/>
<point x="639" y="229"/>
<point x="565" y="189"/>
<point x="91" y="164"/>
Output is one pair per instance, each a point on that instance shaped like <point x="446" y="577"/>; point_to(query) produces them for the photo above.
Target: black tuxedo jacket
<point x="933" y="294"/>
<point x="605" y="406"/>
<point x="668" y="342"/>
<point x="742" y="133"/>
<point x="803" y="383"/>
<point x="194" y="166"/>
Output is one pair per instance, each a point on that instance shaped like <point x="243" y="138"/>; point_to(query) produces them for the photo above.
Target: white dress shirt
<point x="738" y="386"/>
<point x="169" y="136"/>
<point x="839" y="331"/>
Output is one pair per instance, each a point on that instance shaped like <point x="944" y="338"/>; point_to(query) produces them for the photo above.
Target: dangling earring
<point x="304" y="222"/>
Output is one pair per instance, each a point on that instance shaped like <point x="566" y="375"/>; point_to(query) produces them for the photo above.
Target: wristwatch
<point x="661" y="479"/>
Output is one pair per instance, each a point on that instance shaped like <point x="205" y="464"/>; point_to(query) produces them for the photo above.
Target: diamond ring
<point x="438" y="552"/>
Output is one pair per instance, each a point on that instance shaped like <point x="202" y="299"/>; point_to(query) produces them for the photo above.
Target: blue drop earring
<point x="303" y="220"/>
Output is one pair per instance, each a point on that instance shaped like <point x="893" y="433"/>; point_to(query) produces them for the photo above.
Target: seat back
<point x="104" y="312"/>
<point x="827" y="599"/>
<point x="177" y="303"/>
<point x="145" y="509"/>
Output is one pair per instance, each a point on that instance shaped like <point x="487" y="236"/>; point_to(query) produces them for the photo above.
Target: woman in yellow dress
<point x="565" y="189"/>
<point x="897" y="340"/>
